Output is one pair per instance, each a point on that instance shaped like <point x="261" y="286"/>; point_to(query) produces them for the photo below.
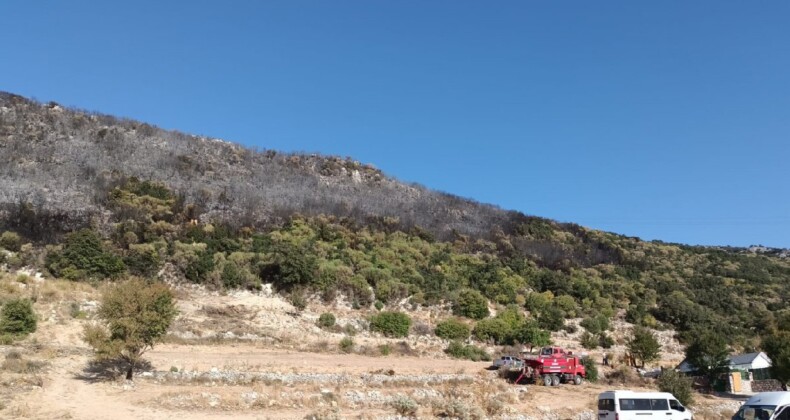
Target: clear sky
<point x="665" y="120"/>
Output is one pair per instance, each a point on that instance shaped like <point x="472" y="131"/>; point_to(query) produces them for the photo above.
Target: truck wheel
<point x="578" y="380"/>
<point x="547" y="380"/>
<point x="555" y="380"/>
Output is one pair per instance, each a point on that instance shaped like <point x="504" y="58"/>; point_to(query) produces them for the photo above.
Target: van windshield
<point x="756" y="412"/>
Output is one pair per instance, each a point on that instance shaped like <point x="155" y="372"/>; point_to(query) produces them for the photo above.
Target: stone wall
<point x="766" y="385"/>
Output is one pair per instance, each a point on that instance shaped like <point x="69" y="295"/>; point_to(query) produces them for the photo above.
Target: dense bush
<point x="404" y="406"/>
<point x="676" y="384"/>
<point x="605" y="340"/>
<point x="458" y="350"/>
<point x="346" y="345"/>
<point x="84" y="255"/>
<point x="17" y="317"/>
<point x="292" y="265"/>
<point x="588" y="341"/>
<point x="471" y="304"/>
<point x="777" y="347"/>
<point x="391" y="324"/>
<point x="552" y="318"/>
<point x="590" y="368"/>
<point x="326" y="320"/>
<point x="708" y="353"/>
<point x="452" y="329"/>
<point x="644" y="346"/>
<point x="595" y="325"/>
<point x="142" y="260"/>
<point x="10" y="241"/>
<point x="494" y="330"/>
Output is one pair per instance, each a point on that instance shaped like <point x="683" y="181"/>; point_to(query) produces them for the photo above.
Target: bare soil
<point x="250" y="356"/>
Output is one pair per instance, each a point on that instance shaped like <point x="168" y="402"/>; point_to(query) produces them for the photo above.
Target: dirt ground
<point x="250" y="356"/>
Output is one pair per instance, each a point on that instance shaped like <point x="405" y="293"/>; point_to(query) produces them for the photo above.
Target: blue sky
<point x="664" y="120"/>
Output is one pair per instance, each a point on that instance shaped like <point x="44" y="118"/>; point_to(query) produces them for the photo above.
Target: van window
<point x="756" y="412"/>
<point x="643" y="404"/>
<point x="660" y="405"/>
<point x="785" y="414"/>
<point x="606" y="404"/>
<point x="634" y="404"/>
<point x="675" y="405"/>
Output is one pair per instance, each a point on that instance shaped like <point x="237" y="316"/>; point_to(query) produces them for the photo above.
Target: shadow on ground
<point x="104" y="370"/>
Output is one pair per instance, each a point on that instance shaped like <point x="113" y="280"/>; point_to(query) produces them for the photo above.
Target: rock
<point x="249" y="397"/>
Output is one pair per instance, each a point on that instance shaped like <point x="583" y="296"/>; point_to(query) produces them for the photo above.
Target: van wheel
<point x="578" y="380"/>
<point x="547" y="380"/>
<point x="555" y="380"/>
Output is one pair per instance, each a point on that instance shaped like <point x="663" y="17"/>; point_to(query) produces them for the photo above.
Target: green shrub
<point x="326" y="320"/>
<point x="552" y="318"/>
<point x="17" y="317"/>
<point x="588" y="341"/>
<point x="677" y="384"/>
<point x="291" y="265"/>
<point x="198" y="265"/>
<point x="350" y="329"/>
<point x="493" y="329"/>
<point x="298" y="300"/>
<point x="378" y="305"/>
<point x="76" y="312"/>
<point x="346" y="345"/>
<point x="10" y="241"/>
<point x="452" y="329"/>
<point x="605" y="341"/>
<point x="391" y="324"/>
<point x="595" y="325"/>
<point x="471" y="304"/>
<point x="644" y="346"/>
<point x="84" y="255"/>
<point x="142" y="259"/>
<point x="458" y="350"/>
<point x="385" y="349"/>
<point x="404" y="406"/>
<point x="591" y="368"/>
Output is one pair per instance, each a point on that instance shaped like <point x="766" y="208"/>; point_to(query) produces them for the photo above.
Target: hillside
<point x="215" y="213"/>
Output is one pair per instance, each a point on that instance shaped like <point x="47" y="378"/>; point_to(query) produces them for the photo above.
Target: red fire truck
<point x="553" y="366"/>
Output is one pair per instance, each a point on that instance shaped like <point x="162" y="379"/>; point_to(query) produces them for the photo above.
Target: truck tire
<point x="547" y="380"/>
<point x="578" y="380"/>
<point x="555" y="380"/>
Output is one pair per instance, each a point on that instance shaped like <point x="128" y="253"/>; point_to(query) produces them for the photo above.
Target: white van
<point x="765" y="406"/>
<point x="630" y="405"/>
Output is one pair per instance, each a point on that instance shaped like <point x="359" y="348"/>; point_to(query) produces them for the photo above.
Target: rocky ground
<point x="253" y="356"/>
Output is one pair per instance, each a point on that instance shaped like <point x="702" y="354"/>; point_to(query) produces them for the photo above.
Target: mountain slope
<point x="221" y="214"/>
<point x="61" y="160"/>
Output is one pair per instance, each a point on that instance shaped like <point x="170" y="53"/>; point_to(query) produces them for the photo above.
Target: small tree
<point x="676" y="384"/>
<point x="10" y="241"/>
<point x="471" y="304"/>
<point x="452" y="329"/>
<point x="135" y="315"/>
<point x="533" y="336"/>
<point x="590" y="368"/>
<point x="391" y="324"/>
<point x="588" y="341"/>
<point x="326" y="320"/>
<point x="777" y="347"/>
<point x="83" y="254"/>
<point x="17" y="317"/>
<point x="552" y="318"/>
<point x="644" y="346"/>
<point x="708" y="353"/>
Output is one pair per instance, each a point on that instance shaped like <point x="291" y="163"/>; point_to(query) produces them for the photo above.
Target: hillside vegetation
<point x="100" y="197"/>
